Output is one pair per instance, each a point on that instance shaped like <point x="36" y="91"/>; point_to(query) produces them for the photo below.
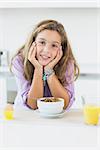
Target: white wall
<point x="80" y="24"/>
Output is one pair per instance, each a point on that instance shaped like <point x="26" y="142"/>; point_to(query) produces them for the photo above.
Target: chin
<point x="44" y="64"/>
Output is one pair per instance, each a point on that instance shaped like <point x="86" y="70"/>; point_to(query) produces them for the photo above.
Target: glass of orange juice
<point x="9" y="112"/>
<point x="91" y="111"/>
<point x="91" y="115"/>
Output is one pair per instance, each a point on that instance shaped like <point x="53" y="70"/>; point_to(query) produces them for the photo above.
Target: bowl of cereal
<point x="50" y="105"/>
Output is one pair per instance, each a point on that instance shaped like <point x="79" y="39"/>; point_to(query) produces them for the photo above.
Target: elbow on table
<point x="66" y="103"/>
<point x="31" y="104"/>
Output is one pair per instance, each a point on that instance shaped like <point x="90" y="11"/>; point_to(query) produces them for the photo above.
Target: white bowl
<point x="50" y="107"/>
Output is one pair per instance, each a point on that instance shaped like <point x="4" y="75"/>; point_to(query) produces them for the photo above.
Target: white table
<point x="28" y="129"/>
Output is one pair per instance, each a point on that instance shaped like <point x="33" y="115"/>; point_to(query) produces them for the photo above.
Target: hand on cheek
<point x="59" y="53"/>
<point x="32" y="56"/>
<point x="56" y="59"/>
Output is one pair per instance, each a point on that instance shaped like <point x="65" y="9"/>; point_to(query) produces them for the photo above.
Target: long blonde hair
<point x="60" y="68"/>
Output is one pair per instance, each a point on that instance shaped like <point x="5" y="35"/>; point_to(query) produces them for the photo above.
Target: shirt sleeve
<point x="70" y="84"/>
<point x="23" y="86"/>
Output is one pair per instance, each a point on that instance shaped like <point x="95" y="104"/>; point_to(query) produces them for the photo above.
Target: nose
<point x="46" y="48"/>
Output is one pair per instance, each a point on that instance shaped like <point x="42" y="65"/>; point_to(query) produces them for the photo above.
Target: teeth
<point x="45" y="57"/>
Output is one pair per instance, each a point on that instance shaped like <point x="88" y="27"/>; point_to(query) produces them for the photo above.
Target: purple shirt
<point x="23" y="86"/>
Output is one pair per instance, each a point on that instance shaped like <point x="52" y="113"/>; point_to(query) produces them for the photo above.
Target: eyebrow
<point x="52" y="41"/>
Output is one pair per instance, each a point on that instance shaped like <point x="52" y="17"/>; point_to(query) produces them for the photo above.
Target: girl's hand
<point x="55" y="60"/>
<point x="32" y="56"/>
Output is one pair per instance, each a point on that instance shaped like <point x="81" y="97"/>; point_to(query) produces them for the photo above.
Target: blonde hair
<point x="67" y="58"/>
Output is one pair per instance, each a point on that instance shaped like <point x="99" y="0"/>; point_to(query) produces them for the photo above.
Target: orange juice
<point x="99" y="110"/>
<point x="91" y="115"/>
<point x="8" y="114"/>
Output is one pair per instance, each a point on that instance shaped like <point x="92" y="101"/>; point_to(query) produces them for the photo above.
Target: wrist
<point x="39" y="70"/>
<point x="47" y="73"/>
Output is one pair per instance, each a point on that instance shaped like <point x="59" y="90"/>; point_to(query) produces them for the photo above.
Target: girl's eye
<point x="42" y="42"/>
<point x="55" y="46"/>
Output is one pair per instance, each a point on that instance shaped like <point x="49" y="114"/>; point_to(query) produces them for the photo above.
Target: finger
<point x="32" y="48"/>
<point x="32" y="56"/>
<point x="30" y="51"/>
<point x="34" y="53"/>
<point x="34" y="43"/>
<point x="58" y="57"/>
<point x="61" y="51"/>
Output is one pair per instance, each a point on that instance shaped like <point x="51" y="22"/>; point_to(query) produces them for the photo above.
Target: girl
<point x="45" y="66"/>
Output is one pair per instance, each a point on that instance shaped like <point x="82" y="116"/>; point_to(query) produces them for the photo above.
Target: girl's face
<point x="48" y="43"/>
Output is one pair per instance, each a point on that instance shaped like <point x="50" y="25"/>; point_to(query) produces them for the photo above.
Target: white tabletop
<point x="28" y="129"/>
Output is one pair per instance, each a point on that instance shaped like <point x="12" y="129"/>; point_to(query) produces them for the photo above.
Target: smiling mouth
<point x="45" y="57"/>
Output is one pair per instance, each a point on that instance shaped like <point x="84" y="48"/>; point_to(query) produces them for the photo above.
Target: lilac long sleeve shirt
<point x="23" y="86"/>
